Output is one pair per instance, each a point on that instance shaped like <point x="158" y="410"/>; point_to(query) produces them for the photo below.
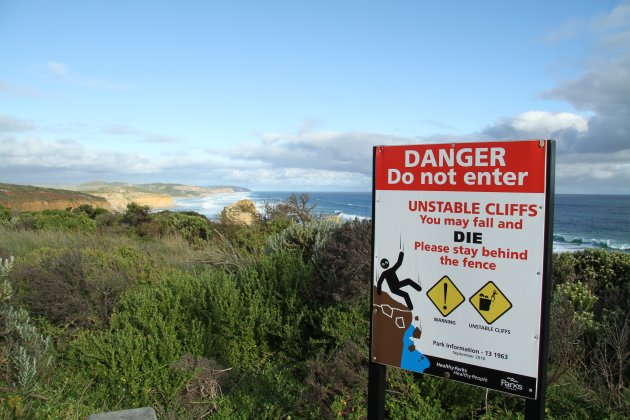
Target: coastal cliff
<point x="119" y="200"/>
<point x="113" y="196"/>
<point x="156" y="195"/>
<point x="30" y="198"/>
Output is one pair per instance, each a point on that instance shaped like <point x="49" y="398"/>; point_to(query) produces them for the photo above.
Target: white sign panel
<point x="459" y="256"/>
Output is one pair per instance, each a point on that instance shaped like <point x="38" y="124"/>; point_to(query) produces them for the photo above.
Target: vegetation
<point x="25" y="196"/>
<point x="102" y="311"/>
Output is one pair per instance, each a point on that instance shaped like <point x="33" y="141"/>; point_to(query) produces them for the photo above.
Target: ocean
<point x="580" y="221"/>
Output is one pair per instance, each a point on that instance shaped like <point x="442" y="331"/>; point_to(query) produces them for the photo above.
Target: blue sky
<point x="286" y="95"/>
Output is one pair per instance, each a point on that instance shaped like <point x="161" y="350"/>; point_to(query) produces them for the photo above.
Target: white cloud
<point x="600" y="173"/>
<point x="536" y="125"/>
<point x="569" y="29"/>
<point x="343" y="161"/>
<point x="30" y="159"/>
<point x="328" y="151"/>
<point x="122" y="130"/>
<point x="18" y="90"/>
<point x="593" y="147"/>
<point x="32" y="152"/>
<point x="604" y="27"/>
<point x="143" y="136"/>
<point x="293" y="179"/>
<point x="616" y="20"/>
<point x="547" y="123"/>
<point x="12" y="124"/>
<point x="62" y="72"/>
<point x="603" y="87"/>
<point x="58" y="69"/>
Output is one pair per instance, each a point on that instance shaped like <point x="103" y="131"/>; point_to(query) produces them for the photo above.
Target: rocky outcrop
<point x="390" y="320"/>
<point x="242" y="212"/>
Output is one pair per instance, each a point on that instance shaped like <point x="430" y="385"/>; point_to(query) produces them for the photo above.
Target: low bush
<point x="337" y="374"/>
<point x="136" y="214"/>
<point x="344" y="263"/>
<point x="64" y="220"/>
<point x="295" y="209"/>
<point x="267" y="321"/>
<point x="23" y="349"/>
<point x="306" y="238"/>
<point x="590" y="325"/>
<point x="78" y="288"/>
<point x="5" y="215"/>
<point x="90" y="211"/>
<point x="193" y="227"/>
<point x="131" y="363"/>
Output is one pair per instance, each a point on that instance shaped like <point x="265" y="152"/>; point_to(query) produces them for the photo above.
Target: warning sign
<point x="445" y="296"/>
<point x="464" y="228"/>
<point x="490" y="302"/>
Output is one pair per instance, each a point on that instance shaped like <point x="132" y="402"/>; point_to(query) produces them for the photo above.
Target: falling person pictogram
<point x="395" y="284"/>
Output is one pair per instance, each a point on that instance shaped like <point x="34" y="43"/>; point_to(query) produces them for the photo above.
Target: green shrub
<point x="305" y="238"/>
<point x="63" y="220"/>
<point x="195" y="228"/>
<point x="590" y="343"/>
<point x="295" y="208"/>
<point x="133" y="361"/>
<point x="563" y="268"/>
<point x="245" y="321"/>
<point x="132" y="364"/>
<point x="135" y="214"/>
<point x="26" y="350"/>
<point x="337" y="375"/>
<point x="79" y="287"/>
<point x="283" y="320"/>
<point x="259" y="310"/>
<point x="344" y="263"/>
<point x="90" y="211"/>
<point x="272" y="391"/>
<point x="5" y="215"/>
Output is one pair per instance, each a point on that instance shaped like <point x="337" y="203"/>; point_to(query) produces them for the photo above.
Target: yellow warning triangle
<point x="445" y="296"/>
<point x="490" y="302"/>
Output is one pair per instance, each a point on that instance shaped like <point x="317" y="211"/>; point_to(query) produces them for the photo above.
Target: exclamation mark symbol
<point x="445" y="292"/>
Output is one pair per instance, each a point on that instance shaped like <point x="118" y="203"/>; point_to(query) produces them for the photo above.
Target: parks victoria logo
<point x="511" y="384"/>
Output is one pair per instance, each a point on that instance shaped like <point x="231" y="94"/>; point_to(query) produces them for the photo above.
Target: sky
<point x="293" y="95"/>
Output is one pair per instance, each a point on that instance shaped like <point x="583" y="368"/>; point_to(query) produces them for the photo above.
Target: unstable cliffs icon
<point x="393" y="282"/>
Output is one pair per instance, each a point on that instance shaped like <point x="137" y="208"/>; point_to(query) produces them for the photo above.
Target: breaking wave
<point x="563" y="242"/>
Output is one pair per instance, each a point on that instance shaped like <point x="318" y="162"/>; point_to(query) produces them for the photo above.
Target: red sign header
<point x="508" y="166"/>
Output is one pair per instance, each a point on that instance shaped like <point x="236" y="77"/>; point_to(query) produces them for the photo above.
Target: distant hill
<point x="159" y="195"/>
<point x="109" y="195"/>
<point x="174" y="190"/>
<point x="30" y="198"/>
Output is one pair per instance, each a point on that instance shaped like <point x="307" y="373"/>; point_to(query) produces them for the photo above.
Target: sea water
<point x="580" y="221"/>
<point x="591" y="221"/>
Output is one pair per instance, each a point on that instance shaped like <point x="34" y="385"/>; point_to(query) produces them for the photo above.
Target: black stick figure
<point x="389" y="275"/>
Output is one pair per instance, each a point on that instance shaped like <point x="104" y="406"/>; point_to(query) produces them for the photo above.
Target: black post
<point x="376" y="375"/>
<point x="376" y="392"/>
<point x="535" y="409"/>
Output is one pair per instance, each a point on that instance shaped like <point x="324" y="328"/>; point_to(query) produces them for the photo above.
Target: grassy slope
<point x="16" y="196"/>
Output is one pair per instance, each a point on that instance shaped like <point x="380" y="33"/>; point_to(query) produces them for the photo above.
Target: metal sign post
<point x="535" y="409"/>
